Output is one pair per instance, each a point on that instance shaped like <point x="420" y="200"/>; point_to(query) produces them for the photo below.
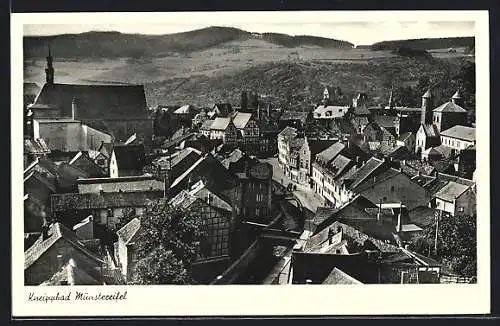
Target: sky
<point x="357" y="31"/>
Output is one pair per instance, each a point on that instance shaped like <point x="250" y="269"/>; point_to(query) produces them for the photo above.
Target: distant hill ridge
<point x="115" y="44"/>
<point x="425" y="43"/>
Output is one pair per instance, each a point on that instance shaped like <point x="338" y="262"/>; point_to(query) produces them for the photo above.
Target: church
<point x="119" y="110"/>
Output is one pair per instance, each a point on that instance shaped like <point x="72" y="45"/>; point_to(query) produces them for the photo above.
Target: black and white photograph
<point x="296" y="151"/>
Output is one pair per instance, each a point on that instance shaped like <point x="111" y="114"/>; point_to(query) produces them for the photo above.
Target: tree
<point x="254" y="100"/>
<point x="167" y="245"/>
<point x="456" y="243"/>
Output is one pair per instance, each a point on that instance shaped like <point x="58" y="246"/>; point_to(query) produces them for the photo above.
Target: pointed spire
<point x="391" y="101"/>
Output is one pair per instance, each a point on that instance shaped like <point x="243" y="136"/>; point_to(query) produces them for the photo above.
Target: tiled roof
<point x="460" y="132"/>
<point x="444" y="165"/>
<point x="129" y="230"/>
<point x="62" y="202"/>
<point x="56" y="232"/>
<point x="206" y="125"/>
<point x="224" y="108"/>
<point x="451" y="191"/>
<point x="418" y="166"/>
<point x="130" y="157"/>
<point x="297" y="143"/>
<point x="449" y="107"/>
<point x="377" y="178"/>
<point x="322" y="214"/>
<point x="36" y="146"/>
<point x="430" y="130"/>
<point x="339" y="277"/>
<point x="74" y="274"/>
<point x="339" y="165"/>
<point x="294" y="115"/>
<point x="185" y="109"/>
<point x="202" y="192"/>
<point x="241" y="119"/>
<point x="405" y="136"/>
<point x="83" y="162"/>
<point x="288" y="132"/>
<point x="318" y="145"/>
<point x="139" y="183"/>
<point x="443" y="150"/>
<point x="365" y="171"/>
<point x="97" y="101"/>
<point x="330" y="153"/>
<point x="385" y="121"/>
<point x="220" y="124"/>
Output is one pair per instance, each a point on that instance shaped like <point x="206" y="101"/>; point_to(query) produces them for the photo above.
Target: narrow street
<point x="308" y="198"/>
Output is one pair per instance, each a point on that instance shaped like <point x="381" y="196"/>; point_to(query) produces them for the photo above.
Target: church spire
<point x="49" y="71"/>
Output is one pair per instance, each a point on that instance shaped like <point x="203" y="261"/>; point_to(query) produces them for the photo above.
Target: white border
<point x="261" y="300"/>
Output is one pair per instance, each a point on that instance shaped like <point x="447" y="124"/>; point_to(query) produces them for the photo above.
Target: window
<point x="392" y="188"/>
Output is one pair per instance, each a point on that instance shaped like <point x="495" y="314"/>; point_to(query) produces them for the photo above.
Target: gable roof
<point x="105" y="200"/>
<point x="449" y="107"/>
<point x="430" y="130"/>
<point x="76" y="274"/>
<point x="361" y="110"/>
<point x="56" y="231"/>
<point x="329" y="111"/>
<point x="130" y="157"/>
<point x="132" y="183"/>
<point x="451" y="191"/>
<point x="96" y="101"/>
<point x="206" y="125"/>
<point x="36" y="146"/>
<point x="330" y="153"/>
<point x="129" y="230"/>
<point x="220" y="124"/>
<point x="224" y="108"/>
<point x="365" y="171"/>
<point x="385" y="121"/>
<point x="288" y="132"/>
<point x="405" y="136"/>
<point x="339" y="165"/>
<point x="460" y="132"/>
<point x="339" y="277"/>
<point x="185" y="109"/>
<point x="241" y="119"/>
<point x="83" y="162"/>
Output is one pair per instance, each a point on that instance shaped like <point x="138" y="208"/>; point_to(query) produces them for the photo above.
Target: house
<point x="427" y="136"/>
<point x="120" y="184"/>
<point x="467" y="162"/>
<point x="437" y="153"/>
<point x="217" y="216"/>
<point x="121" y="108"/>
<point x="224" y="129"/>
<point x="73" y="273"/>
<point x="127" y="160"/>
<point x="125" y="247"/>
<point x="393" y="152"/>
<point x="329" y="112"/>
<point x="83" y="162"/>
<point x="220" y="110"/>
<point x="388" y="122"/>
<point x="255" y="192"/>
<point x="205" y="128"/>
<point x="106" y="207"/>
<point x="53" y="249"/>
<point x="249" y="130"/>
<point x="407" y="140"/>
<point x="172" y="165"/>
<point x="359" y="122"/>
<point x="374" y="132"/>
<point x="307" y="154"/>
<point x="295" y="119"/>
<point x="69" y="135"/>
<point x="292" y="168"/>
<point x="391" y="186"/>
<point x="456" y="199"/>
<point x="284" y="139"/>
<point x="33" y="149"/>
<point x="458" y="137"/>
<point x="449" y="114"/>
<point x="100" y="159"/>
<point x="184" y="115"/>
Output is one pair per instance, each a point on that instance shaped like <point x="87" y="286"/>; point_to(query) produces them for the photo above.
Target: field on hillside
<point x="279" y="74"/>
<point x="225" y="59"/>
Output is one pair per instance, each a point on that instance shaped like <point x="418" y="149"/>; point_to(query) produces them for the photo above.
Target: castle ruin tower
<point x="426" y="115"/>
<point x="49" y="71"/>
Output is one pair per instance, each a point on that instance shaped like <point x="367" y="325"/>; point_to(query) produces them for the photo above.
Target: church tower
<point x="426" y="115"/>
<point x="49" y="71"/>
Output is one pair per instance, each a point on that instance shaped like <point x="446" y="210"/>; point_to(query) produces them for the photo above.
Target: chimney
<point x="379" y="214"/>
<point x="399" y="226"/>
<point x="45" y="231"/>
<point x="330" y="236"/>
<point x="73" y="109"/>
